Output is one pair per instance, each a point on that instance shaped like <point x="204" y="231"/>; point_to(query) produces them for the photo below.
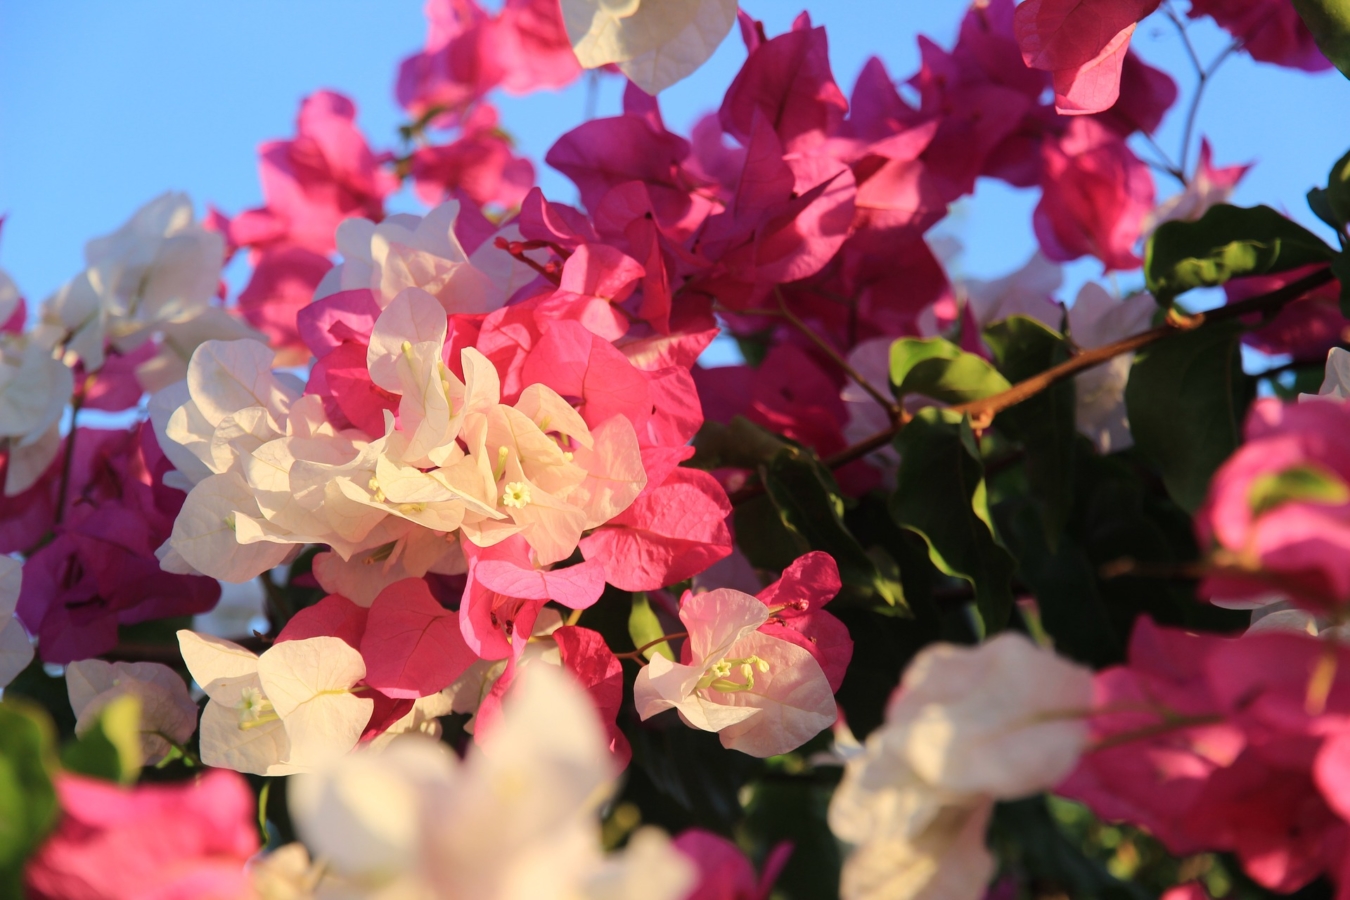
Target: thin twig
<point x="637" y="654"/>
<point x="887" y="403"/>
<point x="987" y="407"/>
<point x="1203" y="74"/>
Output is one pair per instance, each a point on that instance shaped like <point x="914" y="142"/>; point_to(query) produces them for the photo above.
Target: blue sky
<point x="106" y="105"/>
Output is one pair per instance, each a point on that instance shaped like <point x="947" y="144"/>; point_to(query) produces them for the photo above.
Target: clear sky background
<point x="105" y="105"/>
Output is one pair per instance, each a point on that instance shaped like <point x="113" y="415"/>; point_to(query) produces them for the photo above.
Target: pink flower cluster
<point x="1230" y="744"/>
<point x="1278" y="513"/>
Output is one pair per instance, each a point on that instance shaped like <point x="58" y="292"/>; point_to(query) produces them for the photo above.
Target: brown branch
<point x="987" y="407"/>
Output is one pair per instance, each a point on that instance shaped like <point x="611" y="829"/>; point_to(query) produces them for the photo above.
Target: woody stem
<point x="886" y="403"/>
<point x="637" y="654"/>
<point x="1025" y="390"/>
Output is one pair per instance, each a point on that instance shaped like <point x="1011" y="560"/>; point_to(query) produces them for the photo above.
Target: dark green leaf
<point x="1044" y="424"/>
<point x="1226" y="242"/>
<point x="794" y="809"/>
<point x="681" y="776"/>
<point x="1064" y="582"/>
<point x="809" y="510"/>
<point x="1186" y="399"/>
<point x="1329" y="21"/>
<point x="1024" y="831"/>
<point x="940" y="495"/>
<point x="939" y="369"/>
<point x="27" y="798"/>
<point x="111" y="750"/>
<point x="1338" y="191"/>
<point x="742" y="444"/>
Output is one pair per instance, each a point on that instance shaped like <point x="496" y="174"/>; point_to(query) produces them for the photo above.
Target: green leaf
<point x="1227" y="242"/>
<point x="1329" y="22"/>
<point x="1307" y="483"/>
<point x="1186" y="399"/>
<point x="940" y="495"/>
<point x="27" y="798"/>
<point x="111" y="750"/>
<point x="794" y="809"/>
<point x="810" y="509"/>
<point x="939" y="369"/>
<point x="1064" y="582"/>
<point x="1027" y="836"/>
<point x="741" y="444"/>
<point x="644" y="627"/>
<point x="1338" y="192"/>
<point x="1043" y="424"/>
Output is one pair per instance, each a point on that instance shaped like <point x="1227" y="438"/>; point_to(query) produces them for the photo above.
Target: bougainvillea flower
<point x="1082" y="43"/>
<point x="966" y="727"/>
<point x="1269" y="30"/>
<point x="671" y="531"/>
<point x="1277" y="517"/>
<point x="411" y="645"/>
<point x="1336" y="382"/>
<point x="478" y="165"/>
<point x="282" y="284"/>
<point x="167" y="711"/>
<point x="325" y="174"/>
<point x="515" y="818"/>
<point x="1096" y="319"/>
<point x="160" y="268"/>
<point x="788" y="81"/>
<point x="16" y="651"/>
<point x="1208" y="186"/>
<point x="285" y="711"/>
<point x="763" y="695"/>
<point x="1095" y="195"/>
<point x="156" y="840"/>
<point x="655" y="44"/>
<point x="724" y="872"/>
<point x="1306" y="328"/>
<point x="796" y="613"/>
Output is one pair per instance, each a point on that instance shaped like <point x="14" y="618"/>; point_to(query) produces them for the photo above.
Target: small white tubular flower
<point x="967" y="726"/>
<point x="406" y="251"/>
<point x="157" y="271"/>
<point x="516" y="819"/>
<point x="1336" y="383"/>
<point x="289" y="710"/>
<point x="1095" y="319"/>
<point x="654" y="42"/>
<point x="16" y="650"/>
<point x="167" y="711"/>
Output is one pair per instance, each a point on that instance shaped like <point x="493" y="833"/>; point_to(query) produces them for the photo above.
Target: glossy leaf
<point x="1329" y="21"/>
<point x="1044" y="424"/>
<point x="937" y="368"/>
<point x="1227" y="242"/>
<point x="1186" y="399"/>
<point x="941" y="496"/>
<point x="810" y="508"/>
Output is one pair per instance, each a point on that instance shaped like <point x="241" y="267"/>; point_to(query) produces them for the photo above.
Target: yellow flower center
<point x="718" y="675"/>
<point x="516" y="495"/>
